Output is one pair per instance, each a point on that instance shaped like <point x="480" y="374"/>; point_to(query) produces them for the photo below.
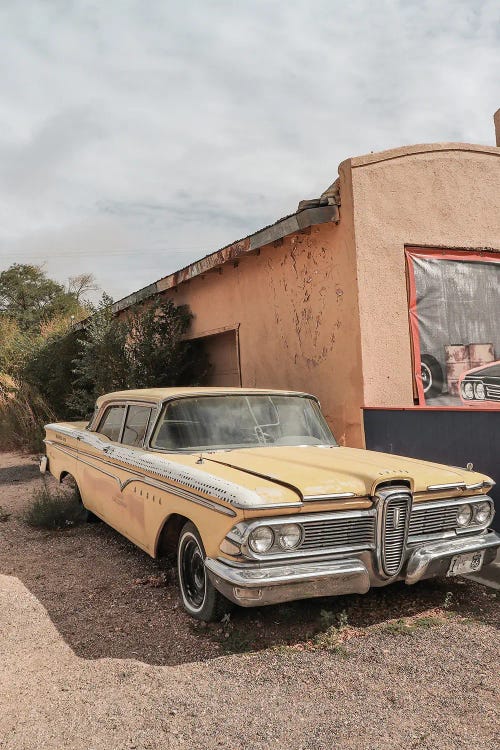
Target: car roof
<point x="157" y="395"/>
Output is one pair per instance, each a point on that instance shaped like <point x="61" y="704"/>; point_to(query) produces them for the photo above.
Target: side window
<point x="111" y="423"/>
<point x="136" y="425"/>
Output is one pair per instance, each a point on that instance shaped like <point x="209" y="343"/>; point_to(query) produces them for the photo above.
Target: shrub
<point x="54" y="509"/>
<point x="17" y="346"/>
<point x="23" y="412"/>
<point x="59" y="372"/>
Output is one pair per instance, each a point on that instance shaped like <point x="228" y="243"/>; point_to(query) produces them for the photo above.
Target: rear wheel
<point x="70" y="485"/>
<point x="432" y="375"/>
<point x="200" y="598"/>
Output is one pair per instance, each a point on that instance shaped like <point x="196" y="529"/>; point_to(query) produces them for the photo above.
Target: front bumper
<point x="254" y="585"/>
<point x="432" y="560"/>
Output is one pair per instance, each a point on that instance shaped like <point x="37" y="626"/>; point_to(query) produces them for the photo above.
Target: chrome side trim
<point x="452" y="486"/>
<point x="449" y="501"/>
<point x="144" y="479"/>
<point x="273" y="506"/>
<point x="196" y="479"/>
<point x="458" y="486"/>
<point x="68" y="449"/>
<point x="477" y="486"/>
<point x="102" y="471"/>
<point x="164" y="486"/>
<point x="334" y="496"/>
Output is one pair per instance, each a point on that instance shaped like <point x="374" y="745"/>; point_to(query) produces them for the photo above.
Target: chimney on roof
<point x="496" y="118"/>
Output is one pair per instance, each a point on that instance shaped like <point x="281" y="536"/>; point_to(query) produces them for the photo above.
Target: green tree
<point x="49" y="368"/>
<point x="101" y="364"/>
<point x="157" y="354"/>
<point x="141" y="350"/>
<point x="31" y="299"/>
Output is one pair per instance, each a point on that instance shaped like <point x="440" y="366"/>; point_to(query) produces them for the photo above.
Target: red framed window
<point x="454" y="309"/>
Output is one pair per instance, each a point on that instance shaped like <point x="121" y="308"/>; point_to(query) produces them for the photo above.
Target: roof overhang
<point x="303" y="219"/>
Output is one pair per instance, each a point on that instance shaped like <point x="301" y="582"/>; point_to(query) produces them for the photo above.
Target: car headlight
<point x="467" y="389"/>
<point x="261" y="539"/>
<point x="464" y="515"/>
<point x="289" y="536"/>
<point x="479" y="391"/>
<point x="482" y="513"/>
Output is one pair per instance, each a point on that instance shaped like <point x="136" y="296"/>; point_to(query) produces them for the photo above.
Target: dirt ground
<point x="96" y="652"/>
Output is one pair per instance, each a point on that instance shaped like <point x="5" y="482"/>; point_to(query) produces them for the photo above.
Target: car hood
<point x="315" y="471"/>
<point x="485" y="371"/>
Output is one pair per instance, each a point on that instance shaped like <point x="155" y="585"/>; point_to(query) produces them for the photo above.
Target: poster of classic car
<point x="455" y="322"/>
<point x="481" y="385"/>
<point x="249" y="492"/>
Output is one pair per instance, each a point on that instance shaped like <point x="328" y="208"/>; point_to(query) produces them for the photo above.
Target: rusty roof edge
<point x="302" y="219"/>
<point x="288" y="225"/>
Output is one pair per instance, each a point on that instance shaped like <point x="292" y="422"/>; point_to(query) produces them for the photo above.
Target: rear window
<point x="136" y="425"/>
<point x="111" y="423"/>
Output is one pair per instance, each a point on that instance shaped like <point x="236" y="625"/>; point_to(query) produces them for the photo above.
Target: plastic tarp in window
<point x="454" y="301"/>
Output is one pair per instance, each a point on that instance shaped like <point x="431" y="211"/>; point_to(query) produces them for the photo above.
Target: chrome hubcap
<point x="193" y="573"/>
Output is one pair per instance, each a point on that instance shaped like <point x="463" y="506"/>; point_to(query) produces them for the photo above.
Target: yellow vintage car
<point x="249" y="492"/>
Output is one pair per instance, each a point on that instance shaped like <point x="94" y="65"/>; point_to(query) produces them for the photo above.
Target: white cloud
<point x="138" y="136"/>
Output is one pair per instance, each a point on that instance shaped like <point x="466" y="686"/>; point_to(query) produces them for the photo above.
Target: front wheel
<point x="200" y="598"/>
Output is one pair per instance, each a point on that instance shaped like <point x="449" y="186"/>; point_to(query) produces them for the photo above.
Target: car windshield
<point x="239" y="421"/>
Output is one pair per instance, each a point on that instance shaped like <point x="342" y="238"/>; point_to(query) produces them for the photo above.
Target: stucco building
<point x="319" y="301"/>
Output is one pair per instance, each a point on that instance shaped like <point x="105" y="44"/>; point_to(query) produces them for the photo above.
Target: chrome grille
<point x="358" y="533"/>
<point x="394" y="529"/>
<point x="492" y="392"/>
<point x="432" y="520"/>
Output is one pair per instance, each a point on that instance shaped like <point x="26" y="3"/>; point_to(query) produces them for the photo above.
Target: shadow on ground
<point x="109" y="599"/>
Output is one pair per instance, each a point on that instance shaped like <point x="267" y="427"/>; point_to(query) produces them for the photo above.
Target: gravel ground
<point x="96" y="653"/>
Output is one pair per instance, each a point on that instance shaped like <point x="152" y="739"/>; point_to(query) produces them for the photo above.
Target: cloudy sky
<point x="138" y="136"/>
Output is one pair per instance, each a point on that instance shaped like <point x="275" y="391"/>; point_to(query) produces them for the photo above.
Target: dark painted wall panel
<point x="448" y="437"/>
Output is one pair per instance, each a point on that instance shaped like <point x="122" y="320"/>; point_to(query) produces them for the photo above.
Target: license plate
<point x="462" y="564"/>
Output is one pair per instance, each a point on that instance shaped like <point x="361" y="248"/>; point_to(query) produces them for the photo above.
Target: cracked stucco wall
<point x="297" y="309"/>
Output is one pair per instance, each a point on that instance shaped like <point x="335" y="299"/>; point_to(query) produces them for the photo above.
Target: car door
<point x="99" y="479"/>
<point x="112" y="487"/>
<point x="136" y="492"/>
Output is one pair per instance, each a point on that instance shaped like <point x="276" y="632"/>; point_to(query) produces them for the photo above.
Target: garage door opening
<point x="222" y="349"/>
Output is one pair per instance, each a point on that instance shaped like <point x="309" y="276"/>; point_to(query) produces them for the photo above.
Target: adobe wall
<point x="436" y="195"/>
<point x="296" y="306"/>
